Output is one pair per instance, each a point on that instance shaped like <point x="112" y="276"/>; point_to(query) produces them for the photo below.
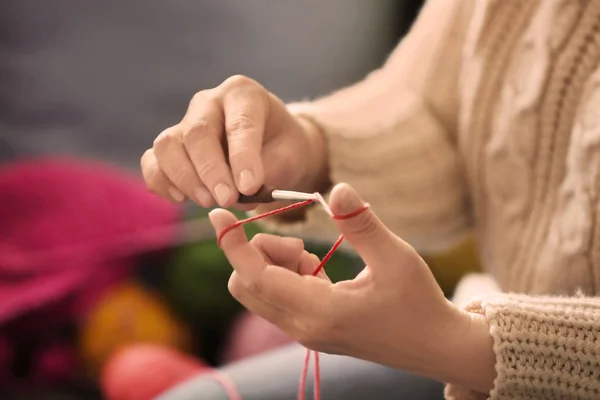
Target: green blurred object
<point x="343" y="264"/>
<point x="196" y="281"/>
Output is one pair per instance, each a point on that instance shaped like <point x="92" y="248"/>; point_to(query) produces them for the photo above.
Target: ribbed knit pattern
<point x="546" y="347"/>
<point x="487" y="117"/>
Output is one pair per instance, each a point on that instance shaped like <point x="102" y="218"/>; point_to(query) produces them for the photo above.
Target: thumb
<point x="372" y="240"/>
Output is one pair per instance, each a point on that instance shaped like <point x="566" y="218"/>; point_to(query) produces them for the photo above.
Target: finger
<point x="279" y="250"/>
<point x="156" y="180"/>
<point x="256" y="305"/>
<point x="246" y="259"/>
<point x="278" y="286"/>
<point x="202" y="135"/>
<point x="173" y="161"/>
<point x="373" y="241"/>
<point x="288" y="253"/>
<point x="246" y="107"/>
<point x="309" y="263"/>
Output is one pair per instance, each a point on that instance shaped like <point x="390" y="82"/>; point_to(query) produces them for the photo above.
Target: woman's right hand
<point x="233" y="139"/>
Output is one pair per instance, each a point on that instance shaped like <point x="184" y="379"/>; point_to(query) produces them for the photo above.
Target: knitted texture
<point x="486" y="118"/>
<point x="546" y="347"/>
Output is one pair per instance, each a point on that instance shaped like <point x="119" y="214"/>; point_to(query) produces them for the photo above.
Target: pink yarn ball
<point x="251" y="335"/>
<point x="142" y="371"/>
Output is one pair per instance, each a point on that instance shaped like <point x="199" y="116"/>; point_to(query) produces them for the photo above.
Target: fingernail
<point x="223" y="193"/>
<point x="203" y="196"/>
<point x="344" y="200"/>
<point x="246" y="180"/>
<point x="176" y="195"/>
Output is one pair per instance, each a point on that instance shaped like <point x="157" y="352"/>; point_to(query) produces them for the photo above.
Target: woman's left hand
<point x="392" y="313"/>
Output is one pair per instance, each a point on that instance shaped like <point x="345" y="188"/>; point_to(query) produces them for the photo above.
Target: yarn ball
<point x="64" y="222"/>
<point x="143" y="371"/>
<point x="196" y="283"/>
<point x="451" y="265"/>
<point x="250" y="335"/>
<point x="129" y="314"/>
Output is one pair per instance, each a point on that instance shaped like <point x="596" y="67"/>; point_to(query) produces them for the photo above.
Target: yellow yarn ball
<point x="451" y="265"/>
<point x="128" y="314"/>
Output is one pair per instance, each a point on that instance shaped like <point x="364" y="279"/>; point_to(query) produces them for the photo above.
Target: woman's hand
<point x="393" y="313"/>
<point x="233" y="139"/>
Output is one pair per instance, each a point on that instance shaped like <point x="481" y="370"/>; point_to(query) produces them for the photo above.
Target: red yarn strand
<point x="227" y="383"/>
<point x="304" y="376"/>
<point x="261" y="216"/>
<point x="317" y="384"/>
<point x="230" y="388"/>
<point x="329" y="254"/>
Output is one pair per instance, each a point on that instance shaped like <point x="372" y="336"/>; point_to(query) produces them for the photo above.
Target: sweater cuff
<point x="546" y="347"/>
<point x="403" y="163"/>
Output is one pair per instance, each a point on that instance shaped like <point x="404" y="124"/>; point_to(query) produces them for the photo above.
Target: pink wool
<point x="251" y="335"/>
<point x="63" y="224"/>
<point x="69" y="230"/>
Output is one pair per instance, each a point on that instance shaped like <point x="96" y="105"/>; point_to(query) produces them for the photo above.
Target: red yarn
<point x="260" y="216"/>
<point x="229" y="386"/>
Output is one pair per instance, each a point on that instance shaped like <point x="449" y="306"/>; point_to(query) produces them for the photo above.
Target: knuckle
<point x="255" y="287"/>
<point x="209" y="171"/>
<point x="199" y="97"/>
<point x="259" y="239"/>
<point x="240" y="124"/>
<point x="165" y="137"/>
<point x="237" y="81"/>
<point x="199" y="128"/>
<point x="179" y="177"/>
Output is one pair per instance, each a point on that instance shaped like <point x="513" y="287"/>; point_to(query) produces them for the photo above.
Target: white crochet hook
<point x="269" y="195"/>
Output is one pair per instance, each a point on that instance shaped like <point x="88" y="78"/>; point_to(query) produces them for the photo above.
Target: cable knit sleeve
<point x="546" y="347"/>
<point x="391" y="136"/>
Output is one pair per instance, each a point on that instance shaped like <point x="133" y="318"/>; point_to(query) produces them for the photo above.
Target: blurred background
<point x="98" y="277"/>
<point x="103" y="79"/>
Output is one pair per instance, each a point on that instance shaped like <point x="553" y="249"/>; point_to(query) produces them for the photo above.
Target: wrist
<point x="468" y="358"/>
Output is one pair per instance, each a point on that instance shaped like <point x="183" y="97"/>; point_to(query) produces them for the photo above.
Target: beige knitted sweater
<point x="486" y="119"/>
